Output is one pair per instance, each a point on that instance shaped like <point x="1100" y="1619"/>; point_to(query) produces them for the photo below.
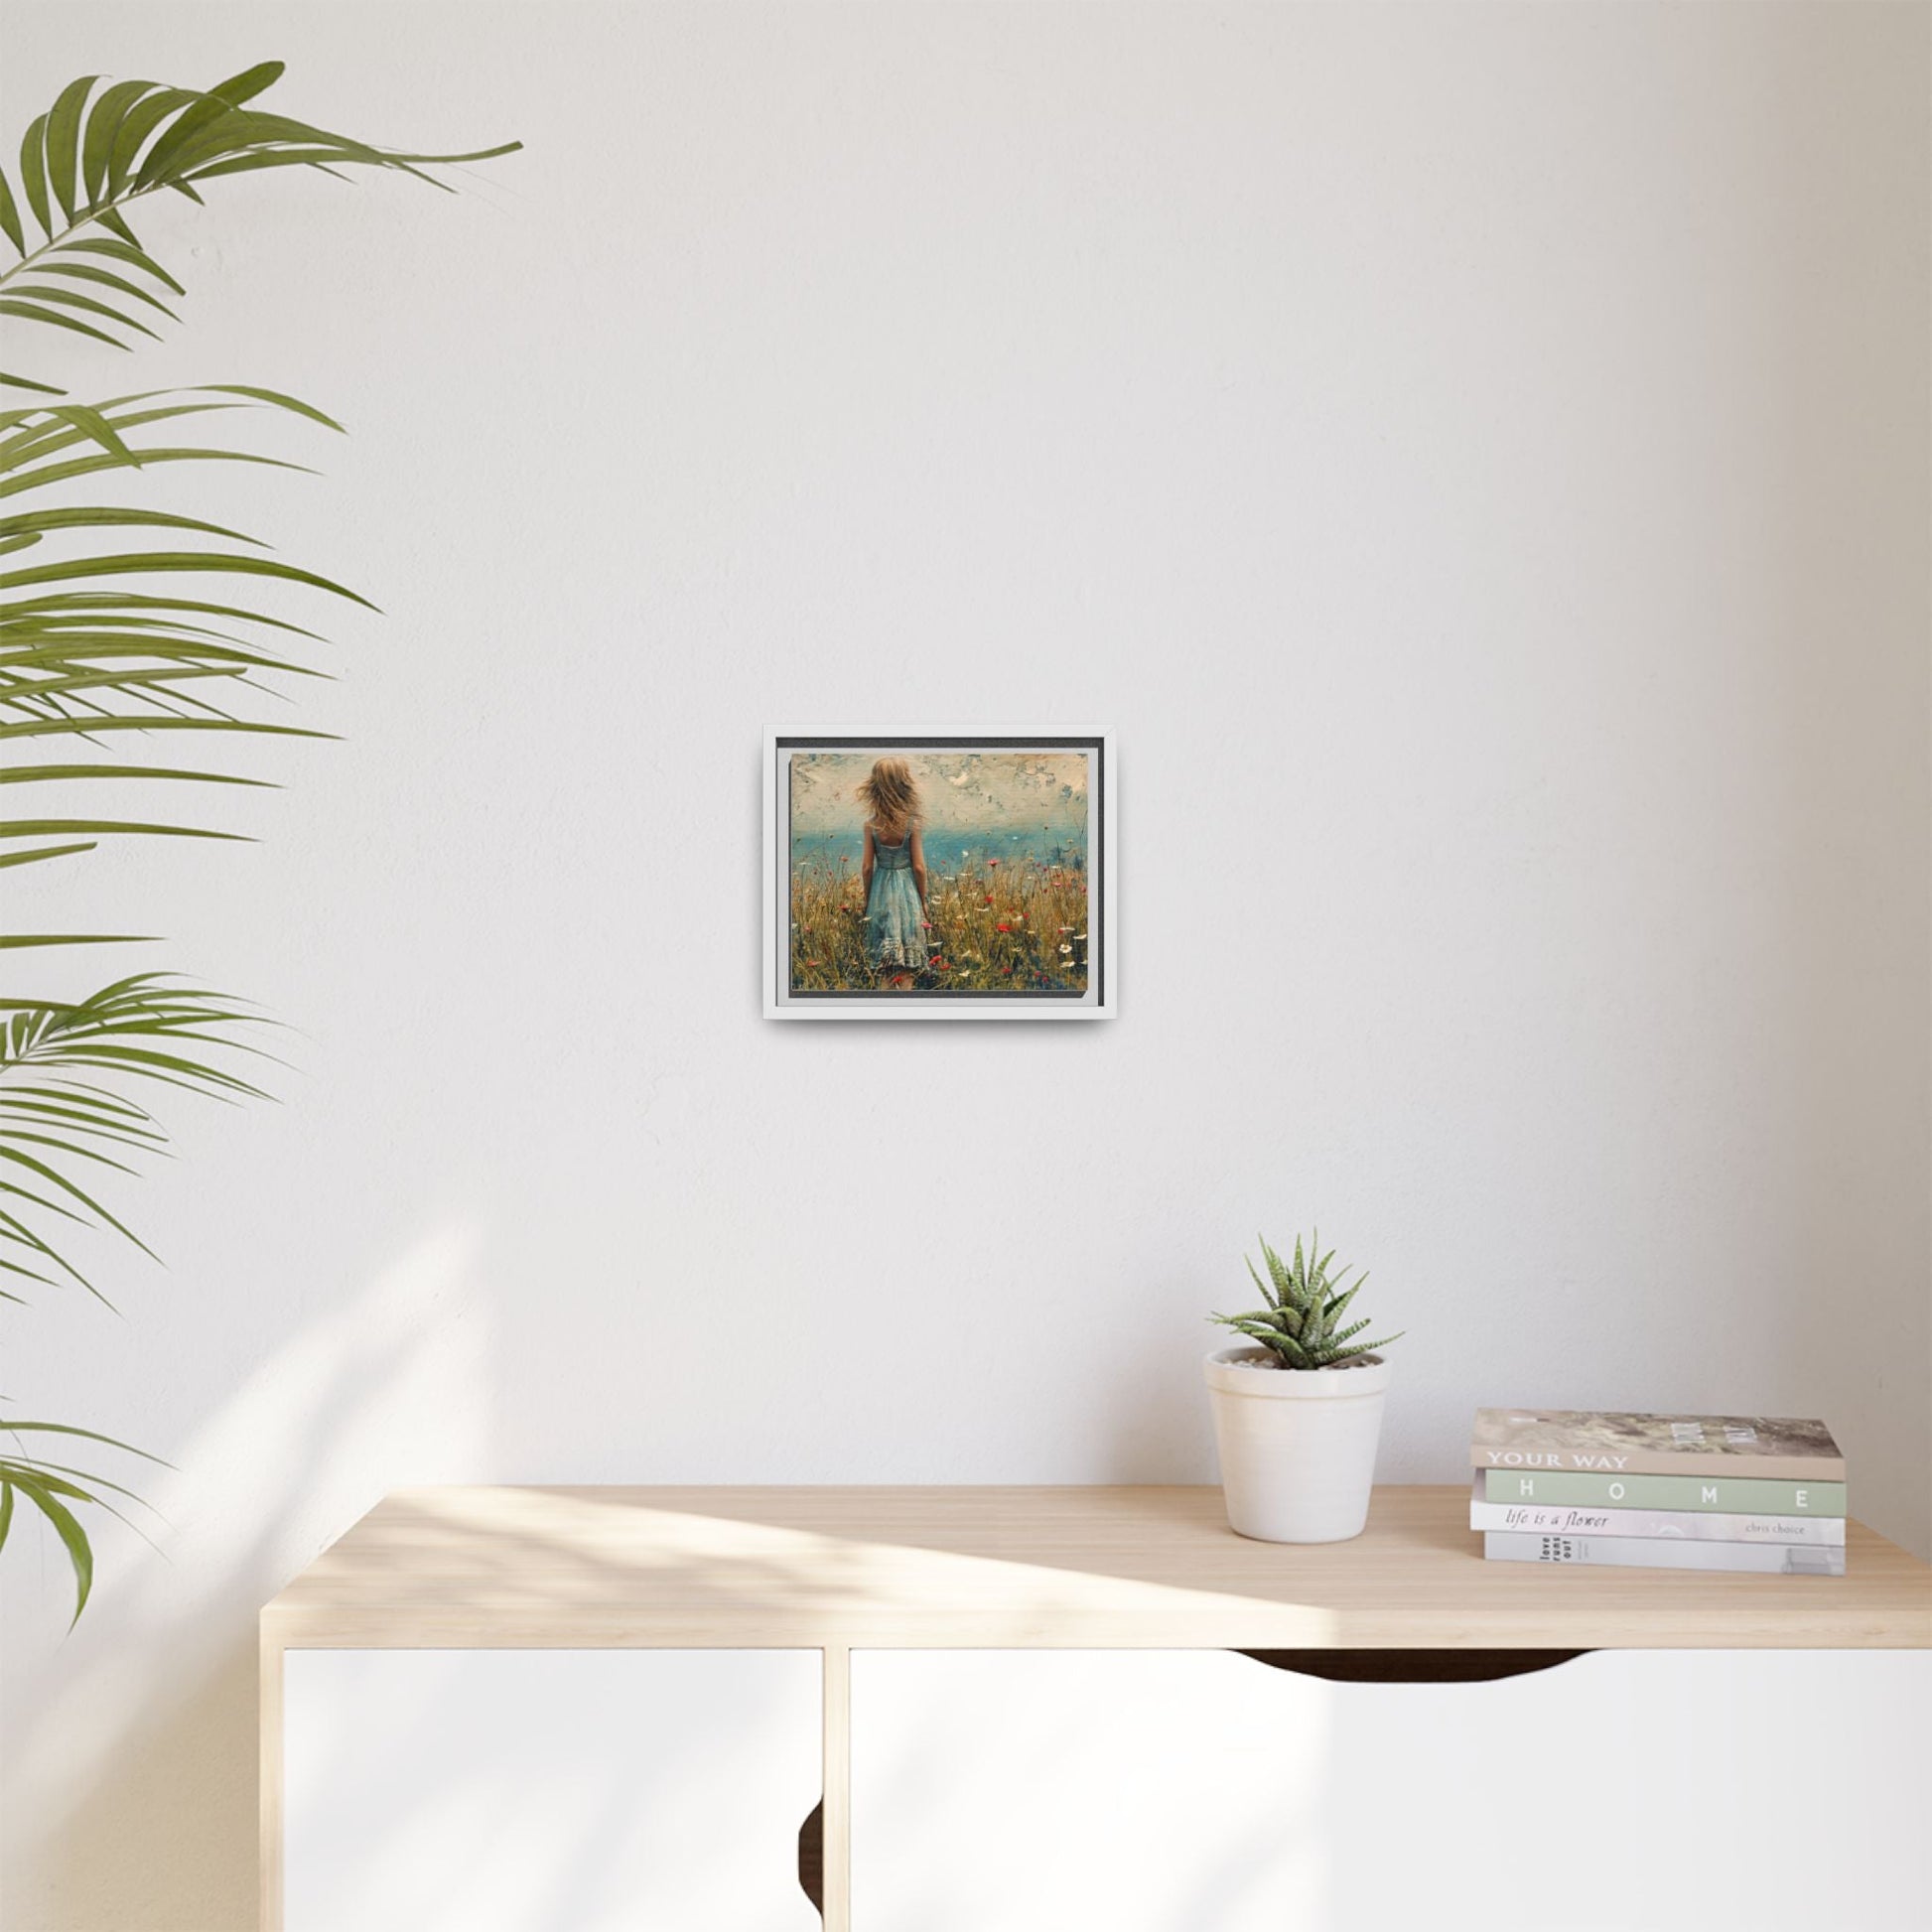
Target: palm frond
<point x="58" y="1120"/>
<point x="83" y="163"/>
<point x="109" y="644"/>
<point x="53" y="1488"/>
<point x="84" y="656"/>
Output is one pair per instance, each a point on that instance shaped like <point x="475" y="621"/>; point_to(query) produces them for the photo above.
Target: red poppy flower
<point x="991" y="863"/>
<point x="1003" y="928"/>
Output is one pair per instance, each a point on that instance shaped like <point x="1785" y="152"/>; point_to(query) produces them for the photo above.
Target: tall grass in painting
<point x="996" y="926"/>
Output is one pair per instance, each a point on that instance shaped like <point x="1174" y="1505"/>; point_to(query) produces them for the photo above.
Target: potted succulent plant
<point x="1299" y="1412"/>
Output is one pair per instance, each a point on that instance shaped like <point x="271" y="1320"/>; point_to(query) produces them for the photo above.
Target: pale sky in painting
<point x="964" y="791"/>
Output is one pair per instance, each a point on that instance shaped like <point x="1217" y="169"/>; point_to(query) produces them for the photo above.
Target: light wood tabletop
<point x="1104" y="1567"/>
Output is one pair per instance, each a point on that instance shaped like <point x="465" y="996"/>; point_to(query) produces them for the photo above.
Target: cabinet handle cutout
<point x="811" y="1857"/>
<point x="1412" y="1666"/>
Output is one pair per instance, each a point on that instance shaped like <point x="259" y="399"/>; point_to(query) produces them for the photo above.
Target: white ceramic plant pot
<point x="1298" y="1445"/>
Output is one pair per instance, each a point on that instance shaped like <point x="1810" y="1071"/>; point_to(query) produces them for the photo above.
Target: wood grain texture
<point x="975" y="1567"/>
<point x="856" y="1567"/>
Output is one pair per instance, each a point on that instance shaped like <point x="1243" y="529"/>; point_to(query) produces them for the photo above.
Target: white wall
<point x="1473" y="456"/>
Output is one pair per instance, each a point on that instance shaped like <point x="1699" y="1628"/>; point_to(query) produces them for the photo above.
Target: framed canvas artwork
<point x="939" y="875"/>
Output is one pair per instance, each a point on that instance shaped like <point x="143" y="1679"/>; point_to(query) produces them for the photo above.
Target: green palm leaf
<point x="39" y="1489"/>
<point x="147" y="1026"/>
<point x="90" y="156"/>
<point x="98" y="644"/>
<point x="53" y="1487"/>
<point x="82" y="657"/>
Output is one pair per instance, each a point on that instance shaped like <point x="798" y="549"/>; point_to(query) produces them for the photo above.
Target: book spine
<point x="1731" y="1495"/>
<point x="1688" y="1525"/>
<point x="1646" y="1552"/>
<point x="1659" y="1462"/>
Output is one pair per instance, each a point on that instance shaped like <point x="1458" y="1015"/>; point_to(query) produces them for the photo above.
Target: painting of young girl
<point x="938" y="873"/>
<point x="892" y="876"/>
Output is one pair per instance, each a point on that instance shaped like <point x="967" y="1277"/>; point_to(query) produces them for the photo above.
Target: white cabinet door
<point x="548" y="1790"/>
<point x="1200" y="1791"/>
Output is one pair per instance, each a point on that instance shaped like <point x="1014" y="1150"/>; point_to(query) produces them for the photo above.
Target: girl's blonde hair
<point x="890" y="792"/>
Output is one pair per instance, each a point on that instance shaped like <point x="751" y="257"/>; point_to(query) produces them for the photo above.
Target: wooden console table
<point x="806" y="1590"/>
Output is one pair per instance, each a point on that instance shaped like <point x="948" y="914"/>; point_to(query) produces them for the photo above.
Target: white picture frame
<point x="1100" y="997"/>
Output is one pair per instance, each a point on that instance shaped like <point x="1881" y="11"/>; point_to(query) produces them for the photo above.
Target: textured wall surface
<point x="1474" y="456"/>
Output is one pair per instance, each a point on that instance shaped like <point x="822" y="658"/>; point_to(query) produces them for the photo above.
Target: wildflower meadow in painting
<point x="939" y="872"/>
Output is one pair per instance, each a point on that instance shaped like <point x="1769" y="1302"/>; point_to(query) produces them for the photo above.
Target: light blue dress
<point x="894" y="923"/>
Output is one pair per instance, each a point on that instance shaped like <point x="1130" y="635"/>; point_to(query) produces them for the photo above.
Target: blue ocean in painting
<point x="950" y="851"/>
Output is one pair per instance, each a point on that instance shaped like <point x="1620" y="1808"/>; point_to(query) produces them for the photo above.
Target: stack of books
<point x="1659" y="1493"/>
